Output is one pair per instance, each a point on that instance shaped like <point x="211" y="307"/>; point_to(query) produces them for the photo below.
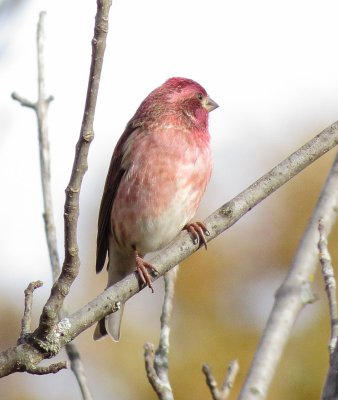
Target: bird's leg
<point x="142" y="267"/>
<point x="198" y="232"/>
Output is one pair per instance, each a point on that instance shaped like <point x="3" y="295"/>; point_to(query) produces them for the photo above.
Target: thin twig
<point x="292" y="296"/>
<point x="27" y="315"/>
<point x="77" y="367"/>
<point x="41" y="110"/>
<point x="224" y="392"/>
<point x="330" y="283"/>
<point x="24" y="102"/>
<point x="50" y="369"/>
<point x="42" y="114"/>
<point x="162" y="353"/>
<point x="149" y="358"/>
<point x="71" y="263"/>
<point x="157" y="363"/>
<point x="330" y="390"/>
<point x="45" y="167"/>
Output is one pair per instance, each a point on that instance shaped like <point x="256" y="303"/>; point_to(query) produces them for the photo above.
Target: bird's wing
<point x="115" y="174"/>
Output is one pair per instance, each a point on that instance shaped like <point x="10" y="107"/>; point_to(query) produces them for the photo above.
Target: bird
<point x="157" y="176"/>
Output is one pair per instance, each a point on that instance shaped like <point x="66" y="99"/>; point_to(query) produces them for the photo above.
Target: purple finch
<point x="158" y="173"/>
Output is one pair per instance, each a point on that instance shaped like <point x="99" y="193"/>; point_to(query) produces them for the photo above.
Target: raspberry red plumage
<point x="158" y="174"/>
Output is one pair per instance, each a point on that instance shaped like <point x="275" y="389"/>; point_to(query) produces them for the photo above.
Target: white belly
<point x="154" y="233"/>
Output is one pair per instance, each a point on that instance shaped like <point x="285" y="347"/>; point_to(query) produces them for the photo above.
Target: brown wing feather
<point x="113" y="180"/>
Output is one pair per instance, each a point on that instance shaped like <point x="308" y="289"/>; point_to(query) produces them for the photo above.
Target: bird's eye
<point x="200" y="96"/>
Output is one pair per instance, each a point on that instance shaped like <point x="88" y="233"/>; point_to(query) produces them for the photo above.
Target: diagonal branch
<point x="216" y="223"/>
<point x="66" y="330"/>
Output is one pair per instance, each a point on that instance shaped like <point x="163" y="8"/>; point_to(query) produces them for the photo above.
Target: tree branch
<point x="50" y="369"/>
<point x="77" y="367"/>
<point x="43" y="346"/>
<point x="24" y="102"/>
<point x="24" y="362"/>
<point x="292" y="296"/>
<point x="157" y="363"/>
<point x="330" y="390"/>
<point x="41" y="110"/>
<point x="224" y="392"/>
<point x="61" y="287"/>
<point x="26" y="327"/>
<point x="330" y="284"/>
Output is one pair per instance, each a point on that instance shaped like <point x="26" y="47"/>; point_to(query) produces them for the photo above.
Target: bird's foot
<point x="198" y="232"/>
<point x="142" y="268"/>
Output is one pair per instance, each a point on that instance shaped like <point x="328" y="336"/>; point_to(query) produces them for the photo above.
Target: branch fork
<point x="223" y="392"/>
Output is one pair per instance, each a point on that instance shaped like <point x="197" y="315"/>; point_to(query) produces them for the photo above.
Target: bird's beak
<point x="210" y="104"/>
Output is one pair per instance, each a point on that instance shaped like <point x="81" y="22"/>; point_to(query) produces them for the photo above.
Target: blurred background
<point x="272" y="68"/>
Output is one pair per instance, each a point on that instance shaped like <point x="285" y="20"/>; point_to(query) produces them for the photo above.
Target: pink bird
<point x="159" y="170"/>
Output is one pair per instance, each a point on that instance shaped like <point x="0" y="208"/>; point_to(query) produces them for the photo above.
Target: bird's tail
<point x="113" y="324"/>
<point x="110" y="325"/>
<point x="119" y="266"/>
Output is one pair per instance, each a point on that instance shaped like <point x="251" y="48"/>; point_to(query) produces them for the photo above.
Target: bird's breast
<point x="166" y="176"/>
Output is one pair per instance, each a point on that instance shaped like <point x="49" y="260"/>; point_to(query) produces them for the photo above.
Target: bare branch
<point x="41" y="110"/>
<point x="42" y="114"/>
<point x="216" y="223"/>
<point x="71" y="263"/>
<point x="51" y="369"/>
<point x="330" y="284"/>
<point x="158" y="385"/>
<point x="330" y="390"/>
<point x="29" y="366"/>
<point x="24" y="102"/>
<point x="77" y="367"/>
<point x="162" y="353"/>
<point x="157" y="364"/>
<point x="292" y="296"/>
<point x="224" y="392"/>
<point x="27" y="315"/>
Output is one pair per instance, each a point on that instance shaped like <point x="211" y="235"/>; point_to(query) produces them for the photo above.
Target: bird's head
<point x="181" y="100"/>
<point x="186" y="91"/>
<point x="189" y="98"/>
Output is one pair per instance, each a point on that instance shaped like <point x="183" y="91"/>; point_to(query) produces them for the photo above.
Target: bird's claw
<point x="198" y="232"/>
<point x="142" y="268"/>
